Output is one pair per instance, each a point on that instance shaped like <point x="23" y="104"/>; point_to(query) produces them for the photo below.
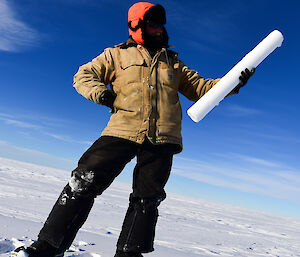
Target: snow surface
<point x="187" y="227"/>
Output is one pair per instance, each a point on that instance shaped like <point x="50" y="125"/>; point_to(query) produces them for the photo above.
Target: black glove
<point x="245" y="75"/>
<point x="107" y="98"/>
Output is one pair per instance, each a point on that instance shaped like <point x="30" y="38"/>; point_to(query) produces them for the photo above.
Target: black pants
<point x="97" y="168"/>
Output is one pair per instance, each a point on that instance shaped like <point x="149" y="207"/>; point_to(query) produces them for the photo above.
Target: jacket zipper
<point x="165" y="50"/>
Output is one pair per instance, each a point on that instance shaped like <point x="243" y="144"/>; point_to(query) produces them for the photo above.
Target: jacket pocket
<point x="168" y="75"/>
<point x="170" y="129"/>
<point x="131" y="71"/>
<point x="131" y="62"/>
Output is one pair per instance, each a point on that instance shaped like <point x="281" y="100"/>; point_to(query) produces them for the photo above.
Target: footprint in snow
<point x="76" y="250"/>
<point x="6" y="246"/>
<point x="85" y="255"/>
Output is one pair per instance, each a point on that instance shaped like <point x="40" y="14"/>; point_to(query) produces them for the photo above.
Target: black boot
<point x="41" y="248"/>
<point x="138" y="230"/>
<point x="127" y="254"/>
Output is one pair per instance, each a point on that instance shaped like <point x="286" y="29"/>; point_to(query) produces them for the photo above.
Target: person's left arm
<point x="192" y="85"/>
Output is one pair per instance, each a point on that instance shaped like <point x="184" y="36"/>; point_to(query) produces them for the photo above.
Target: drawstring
<point x="165" y="50"/>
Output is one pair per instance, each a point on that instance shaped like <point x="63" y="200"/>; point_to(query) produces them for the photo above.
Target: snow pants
<point x="97" y="168"/>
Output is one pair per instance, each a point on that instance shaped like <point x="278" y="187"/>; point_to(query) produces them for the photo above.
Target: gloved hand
<point x="107" y="98"/>
<point x="245" y="75"/>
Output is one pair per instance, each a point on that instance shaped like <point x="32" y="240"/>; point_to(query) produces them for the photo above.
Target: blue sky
<point x="245" y="152"/>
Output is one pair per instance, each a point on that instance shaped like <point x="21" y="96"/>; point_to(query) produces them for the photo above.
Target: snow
<point x="187" y="227"/>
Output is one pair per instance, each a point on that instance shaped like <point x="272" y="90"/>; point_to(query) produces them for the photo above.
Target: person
<point x="145" y="77"/>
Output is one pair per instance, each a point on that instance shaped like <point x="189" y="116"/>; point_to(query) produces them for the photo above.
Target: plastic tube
<point x="227" y="83"/>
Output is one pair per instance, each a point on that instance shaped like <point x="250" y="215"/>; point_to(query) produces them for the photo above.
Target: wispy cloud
<point x="31" y="120"/>
<point x="242" y="110"/>
<point x="244" y="173"/>
<point x="6" y="115"/>
<point x="42" y="124"/>
<point x="18" y="123"/>
<point x="68" y="139"/>
<point x="256" y="161"/>
<point x="47" y="121"/>
<point x="28" y="155"/>
<point x="15" y="34"/>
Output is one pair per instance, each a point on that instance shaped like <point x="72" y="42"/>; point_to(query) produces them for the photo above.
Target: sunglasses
<point x="154" y="24"/>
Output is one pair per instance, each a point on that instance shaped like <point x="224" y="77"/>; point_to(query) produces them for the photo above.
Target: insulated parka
<point x="147" y="101"/>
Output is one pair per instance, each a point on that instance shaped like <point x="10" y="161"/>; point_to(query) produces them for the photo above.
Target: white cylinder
<point x="227" y="83"/>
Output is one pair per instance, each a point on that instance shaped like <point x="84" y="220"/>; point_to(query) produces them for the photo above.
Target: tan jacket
<point x="147" y="102"/>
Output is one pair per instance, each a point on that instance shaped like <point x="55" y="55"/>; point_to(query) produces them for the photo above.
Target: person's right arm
<point x="92" y="78"/>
